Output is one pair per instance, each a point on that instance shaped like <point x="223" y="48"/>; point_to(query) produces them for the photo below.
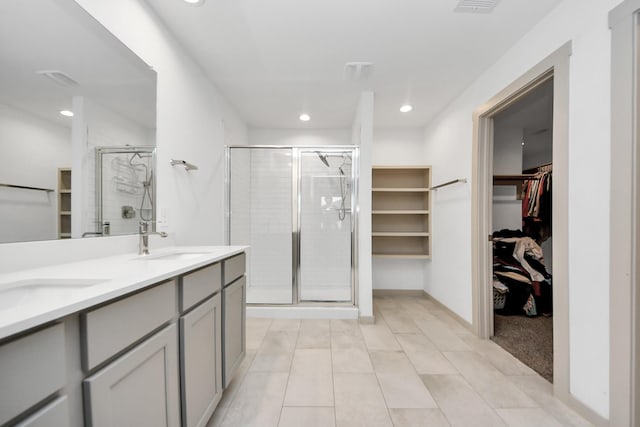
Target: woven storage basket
<point x="499" y="299"/>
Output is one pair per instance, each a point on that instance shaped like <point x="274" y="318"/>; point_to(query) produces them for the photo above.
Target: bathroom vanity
<point x="122" y="341"/>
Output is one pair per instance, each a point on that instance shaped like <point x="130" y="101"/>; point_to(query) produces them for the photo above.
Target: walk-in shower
<point x="125" y="189"/>
<point x="296" y="209"/>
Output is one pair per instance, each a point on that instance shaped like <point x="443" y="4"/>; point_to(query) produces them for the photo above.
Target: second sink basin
<point x="25" y="291"/>
<point x="173" y="256"/>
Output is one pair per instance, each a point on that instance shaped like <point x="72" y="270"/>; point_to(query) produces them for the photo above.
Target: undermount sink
<point x="173" y="256"/>
<point x="25" y="291"/>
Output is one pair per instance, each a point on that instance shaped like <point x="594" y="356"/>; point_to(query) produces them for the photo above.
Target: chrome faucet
<point x="143" y="230"/>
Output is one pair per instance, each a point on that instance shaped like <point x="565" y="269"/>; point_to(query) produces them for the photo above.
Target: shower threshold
<point x="304" y="311"/>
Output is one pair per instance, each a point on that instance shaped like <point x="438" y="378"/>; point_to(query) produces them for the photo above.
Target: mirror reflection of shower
<point x="345" y="159"/>
<point x="145" y="209"/>
<point x="125" y="189"/>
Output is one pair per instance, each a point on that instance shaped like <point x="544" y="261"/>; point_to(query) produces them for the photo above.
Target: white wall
<point x="194" y="124"/>
<point x="507" y="160"/>
<point x="403" y="147"/>
<point x="31" y="151"/>
<point x="449" y="148"/>
<point x="362" y="135"/>
<point x="300" y="136"/>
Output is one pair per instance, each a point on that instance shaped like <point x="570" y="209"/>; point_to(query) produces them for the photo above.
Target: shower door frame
<point x="296" y="232"/>
<point x="101" y="151"/>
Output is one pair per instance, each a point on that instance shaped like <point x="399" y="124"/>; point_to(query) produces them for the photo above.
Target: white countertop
<point x="91" y="282"/>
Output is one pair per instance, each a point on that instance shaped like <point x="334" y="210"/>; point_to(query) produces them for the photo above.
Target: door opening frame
<point x="624" y="283"/>
<point x="554" y="66"/>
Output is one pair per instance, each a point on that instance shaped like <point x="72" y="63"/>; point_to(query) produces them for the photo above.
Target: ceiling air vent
<point x="358" y="71"/>
<point x="476" y="6"/>
<point x="58" y="77"/>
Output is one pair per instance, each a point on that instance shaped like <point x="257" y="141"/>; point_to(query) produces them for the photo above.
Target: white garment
<point x="526" y="245"/>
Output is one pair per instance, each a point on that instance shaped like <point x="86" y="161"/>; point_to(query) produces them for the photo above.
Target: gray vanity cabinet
<point x="140" y="388"/>
<point x="154" y="357"/>
<point x="201" y="361"/>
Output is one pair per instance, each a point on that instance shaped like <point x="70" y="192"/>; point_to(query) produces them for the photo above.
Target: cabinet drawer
<point x="197" y="286"/>
<point x="112" y="328"/>
<point x="54" y="414"/>
<point x="31" y="368"/>
<point x="234" y="267"/>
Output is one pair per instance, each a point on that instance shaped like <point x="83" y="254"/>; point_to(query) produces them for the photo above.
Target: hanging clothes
<point x="536" y="199"/>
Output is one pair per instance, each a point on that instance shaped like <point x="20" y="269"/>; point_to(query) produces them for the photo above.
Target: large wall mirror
<point x="90" y="174"/>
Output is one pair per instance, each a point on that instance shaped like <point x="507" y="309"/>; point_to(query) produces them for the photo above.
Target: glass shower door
<point x="260" y="206"/>
<point x="325" y="225"/>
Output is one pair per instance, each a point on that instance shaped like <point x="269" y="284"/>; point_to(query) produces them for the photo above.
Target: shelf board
<point x="401" y="189"/>
<point x="65" y="212"/>
<point x="400" y="212"/>
<point x="400" y="234"/>
<point x="64" y="191"/>
<point x="401" y="256"/>
<point x="63" y="235"/>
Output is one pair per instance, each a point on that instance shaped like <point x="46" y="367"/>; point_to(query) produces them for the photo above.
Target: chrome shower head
<point x="323" y="157"/>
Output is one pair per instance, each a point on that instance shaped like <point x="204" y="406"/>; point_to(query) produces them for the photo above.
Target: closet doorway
<point x="522" y="229"/>
<point x="553" y="70"/>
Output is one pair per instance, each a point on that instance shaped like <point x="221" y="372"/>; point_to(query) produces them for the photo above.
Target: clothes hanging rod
<point x="24" y="187"/>
<point x="510" y="179"/>
<point x="455" y="181"/>
<point x="187" y="166"/>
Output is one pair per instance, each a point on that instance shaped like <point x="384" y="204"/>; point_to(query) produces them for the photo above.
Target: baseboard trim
<point x="302" y="312"/>
<point x="367" y="320"/>
<point x="446" y="309"/>
<point x="583" y="410"/>
<point x="398" y="292"/>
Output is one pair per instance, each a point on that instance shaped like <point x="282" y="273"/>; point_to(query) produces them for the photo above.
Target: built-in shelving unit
<point x="64" y="203"/>
<point x="401" y="211"/>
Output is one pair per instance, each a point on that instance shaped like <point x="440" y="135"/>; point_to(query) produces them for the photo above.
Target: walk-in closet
<point x="522" y="229"/>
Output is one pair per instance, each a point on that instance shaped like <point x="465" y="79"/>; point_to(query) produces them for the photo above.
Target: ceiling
<point x="275" y="59"/>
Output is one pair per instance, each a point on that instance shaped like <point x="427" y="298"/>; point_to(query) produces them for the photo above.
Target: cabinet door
<point x="138" y="389"/>
<point x="201" y="362"/>
<point x="234" y="297"/>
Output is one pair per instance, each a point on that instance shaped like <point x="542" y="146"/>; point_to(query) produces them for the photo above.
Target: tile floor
<point x="416" y="366"/>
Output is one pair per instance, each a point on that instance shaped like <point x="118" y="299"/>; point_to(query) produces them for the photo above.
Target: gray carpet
<point x="529" y="339"/>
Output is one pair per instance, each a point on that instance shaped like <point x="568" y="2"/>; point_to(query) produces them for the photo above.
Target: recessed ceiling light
<point x="406" y="108"/>
<point x="305" y="117"/>
<point x="66" y="113"/>
<point x="194" y="2"/>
